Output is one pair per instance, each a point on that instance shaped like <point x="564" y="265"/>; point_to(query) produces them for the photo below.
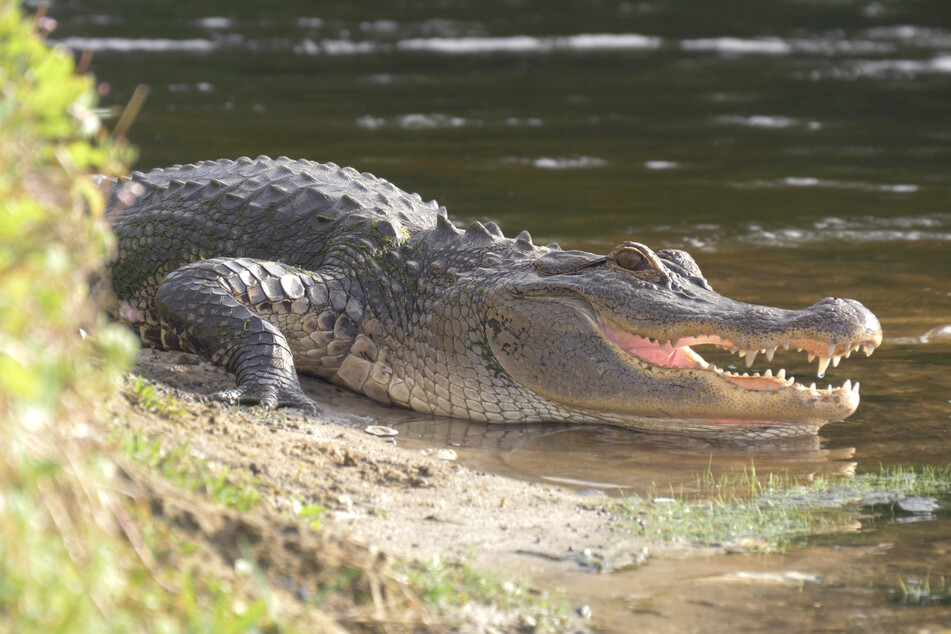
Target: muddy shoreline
<point x="407" y="501"/>
<point x="411" y="498"/>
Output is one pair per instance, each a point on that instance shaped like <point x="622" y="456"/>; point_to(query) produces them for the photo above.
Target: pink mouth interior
<point x="664" y="355"/>
<point x="678" y="354"/>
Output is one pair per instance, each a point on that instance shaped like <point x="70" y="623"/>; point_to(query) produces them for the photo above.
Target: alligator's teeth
<point x="786" y="346"/>
<point x="734" y="349"/>
<point x="781" y="374"/>
<point x="770" y="352"/>
<point x="831" y="349"/>
<point x="869" y="349"/>
<point x="855" y="388"/>
<point x="812" y="388"/>
<point x="848" y="353"/>
<point x="750" y="357"/>
<point x="811" y="357"/>
<point x="768" y="372"/>
<point x="791" y="381"/>
<point x="835" y="360"/>
<point x="847" y="386"/>
<point x="829" y="389"/>
<point x="823" y="366"/>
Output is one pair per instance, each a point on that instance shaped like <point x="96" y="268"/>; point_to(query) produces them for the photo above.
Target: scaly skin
<point x="269" y="267"/>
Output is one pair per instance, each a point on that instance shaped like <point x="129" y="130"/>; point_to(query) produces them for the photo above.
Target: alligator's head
<point x="610" y="338"/>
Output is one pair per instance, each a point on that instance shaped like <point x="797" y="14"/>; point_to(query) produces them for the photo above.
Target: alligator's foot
<point x="200" y="311"/>
<point x="268" y="397"/>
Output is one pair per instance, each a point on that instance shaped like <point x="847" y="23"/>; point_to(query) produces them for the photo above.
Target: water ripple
<point x="437" y="120"/>
<point x="738" y="46"/>
<point x="809" y="181"/>
<point x="530" y="44"/>
<point x="775" y="122"/>
<point x="122" y="44"/>
<point x="831" y="229"/>
<point x="559" y="163"/>
<point x="865" y="229"/>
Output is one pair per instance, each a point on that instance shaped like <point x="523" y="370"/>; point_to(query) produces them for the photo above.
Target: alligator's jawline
<point x="682" y="357"/>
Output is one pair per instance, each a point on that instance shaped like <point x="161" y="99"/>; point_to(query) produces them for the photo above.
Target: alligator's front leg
<point x="225" y="310"/>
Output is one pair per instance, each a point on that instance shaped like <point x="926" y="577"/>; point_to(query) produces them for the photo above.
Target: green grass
<point x="456" y="584"/>
<point x="143" y="395"/>
<point x="746" y="513"/>
<point x="308" y="513"/>
<point x="182" y="467"/>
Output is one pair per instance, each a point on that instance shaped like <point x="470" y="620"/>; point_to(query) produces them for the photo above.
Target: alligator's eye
<point x="630" y="259"/>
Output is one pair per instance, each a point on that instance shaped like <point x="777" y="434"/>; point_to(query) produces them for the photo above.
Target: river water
<point x="799" y="149"/>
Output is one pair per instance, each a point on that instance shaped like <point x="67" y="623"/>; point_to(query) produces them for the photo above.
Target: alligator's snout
<point x="643" y="362"/>
<point x="852" y="312"/>
<point x="829" y="330"/>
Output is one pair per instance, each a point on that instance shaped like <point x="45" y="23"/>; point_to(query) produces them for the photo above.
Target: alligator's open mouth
<point x="678" y="354"/>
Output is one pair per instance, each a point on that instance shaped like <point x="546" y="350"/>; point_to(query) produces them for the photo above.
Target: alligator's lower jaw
<point x="766" y="391"/>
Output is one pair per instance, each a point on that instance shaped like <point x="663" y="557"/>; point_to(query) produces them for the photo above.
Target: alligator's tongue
<point x="663" y="355"/>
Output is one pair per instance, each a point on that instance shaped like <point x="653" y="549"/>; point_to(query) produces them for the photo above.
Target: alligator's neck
<point x="427" y="308"/>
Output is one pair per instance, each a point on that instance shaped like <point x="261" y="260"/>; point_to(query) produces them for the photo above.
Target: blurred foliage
<point x="72" y="559"/>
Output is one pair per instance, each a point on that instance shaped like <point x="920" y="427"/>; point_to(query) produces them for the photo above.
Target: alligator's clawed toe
<point x="268" y="397"/>
<point x="300" y="402"/>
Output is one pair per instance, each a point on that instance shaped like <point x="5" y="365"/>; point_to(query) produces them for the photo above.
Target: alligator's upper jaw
<point x="771" y="397"/>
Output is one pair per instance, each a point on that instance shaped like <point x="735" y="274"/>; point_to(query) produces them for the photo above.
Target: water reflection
<point x="895" y="583"/>
<point x="613" y="460"/>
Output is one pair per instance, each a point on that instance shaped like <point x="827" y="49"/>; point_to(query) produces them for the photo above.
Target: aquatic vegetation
<point x="926" y="591"/>
<point x="742" y="512"/>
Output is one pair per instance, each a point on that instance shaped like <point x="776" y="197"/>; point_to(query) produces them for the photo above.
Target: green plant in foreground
<point x="66" y="559"/>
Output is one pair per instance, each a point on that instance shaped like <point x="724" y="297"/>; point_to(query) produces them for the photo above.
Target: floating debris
<point x="380" y="430"/>
<point x="442" y="454"/>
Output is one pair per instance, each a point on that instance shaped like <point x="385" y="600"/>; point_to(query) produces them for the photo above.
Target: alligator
<point x="270" y="267"/>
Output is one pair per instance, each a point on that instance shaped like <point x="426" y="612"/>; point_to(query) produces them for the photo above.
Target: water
<point x="798" y="149"/>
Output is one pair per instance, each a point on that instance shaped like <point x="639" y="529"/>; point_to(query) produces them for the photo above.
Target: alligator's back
<point x="271" y="209"/>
